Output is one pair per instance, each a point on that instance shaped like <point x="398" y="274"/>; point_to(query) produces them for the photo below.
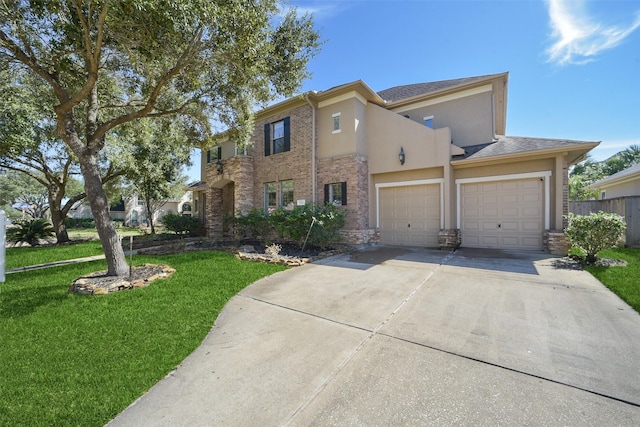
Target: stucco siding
<point x="470" y="119"/>
<point x="388" y="132"/>
<point x="630" y="188"/>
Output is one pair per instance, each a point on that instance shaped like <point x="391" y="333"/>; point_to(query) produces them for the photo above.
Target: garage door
<point x="410" y="215"/>
<point x="503" y="214"/>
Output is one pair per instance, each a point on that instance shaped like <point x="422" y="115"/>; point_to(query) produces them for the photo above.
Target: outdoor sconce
<point x="219" y="166"/>
<point x="401" y="156"/>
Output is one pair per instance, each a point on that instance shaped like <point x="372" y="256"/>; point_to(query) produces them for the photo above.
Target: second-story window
<point x="277" y="137"/>
<point x="428" y="121"/>
<point x="336" y="122"/>
<point x="214" y="154"/>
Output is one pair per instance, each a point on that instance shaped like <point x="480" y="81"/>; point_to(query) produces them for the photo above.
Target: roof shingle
<point x="398" y="93"/>
<point x="505" y="145"/>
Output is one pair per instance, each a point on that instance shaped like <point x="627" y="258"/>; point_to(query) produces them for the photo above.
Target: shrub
<point x="31" y="231"/>
<point x="321" y="224"/>
<point x="181" y="225"/>
<point x="79" y="222"/>
<point x="255" y="224"/>
<point x="595" y="232"/>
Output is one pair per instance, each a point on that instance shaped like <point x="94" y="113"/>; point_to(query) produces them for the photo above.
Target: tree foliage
<point x="153" y="153"/>
<point x="107" y="63"/>
<point x="590" y="171"/>
<point x="595" y="232"/>
<point x="16" y="189"/>
<point x="30" y="146"/>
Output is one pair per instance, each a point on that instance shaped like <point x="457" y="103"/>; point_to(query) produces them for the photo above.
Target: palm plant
<point x="31" y="232"/>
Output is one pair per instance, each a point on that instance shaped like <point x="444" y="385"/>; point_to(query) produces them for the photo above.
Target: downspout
<point x="313" y="150"/>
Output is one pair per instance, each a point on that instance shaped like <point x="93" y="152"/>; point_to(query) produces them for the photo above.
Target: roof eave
<point x="445" y="91"/>
<point x="606" y="182"/>
<point x="577" y="149"/>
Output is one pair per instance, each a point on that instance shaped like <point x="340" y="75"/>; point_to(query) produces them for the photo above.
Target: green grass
<point x="74" y="360"/>
<point x="92" y="233"/>
<point x="623" y="281"/>
<point x="25" y="256"/>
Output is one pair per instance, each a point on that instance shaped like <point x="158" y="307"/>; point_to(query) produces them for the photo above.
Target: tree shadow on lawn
<point x="17" y="300"/>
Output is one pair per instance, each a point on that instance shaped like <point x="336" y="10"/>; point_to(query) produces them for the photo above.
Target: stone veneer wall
<point x="449" y="239"/>
<point x="236" y="186"/>
<point x="556" y="242"/>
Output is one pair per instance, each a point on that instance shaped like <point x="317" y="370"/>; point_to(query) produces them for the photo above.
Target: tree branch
<point x="182" y="62"/>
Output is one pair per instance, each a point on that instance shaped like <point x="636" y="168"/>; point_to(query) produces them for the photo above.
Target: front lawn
<point x="78" y="360"/>
<point x="25" y="256"/>
<point x="623" y="281"/>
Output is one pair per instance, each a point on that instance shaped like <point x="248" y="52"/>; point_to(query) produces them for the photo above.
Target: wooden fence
<point x="627" y="207"/>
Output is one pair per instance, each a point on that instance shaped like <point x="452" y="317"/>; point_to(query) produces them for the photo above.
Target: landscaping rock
<point x="100" y="284"/>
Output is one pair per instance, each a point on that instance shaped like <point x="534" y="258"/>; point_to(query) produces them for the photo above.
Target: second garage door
<point x="410" y="215"/>
<point x="503" y="214"/>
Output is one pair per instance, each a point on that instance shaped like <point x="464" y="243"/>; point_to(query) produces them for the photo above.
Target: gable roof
<point x="628" y="174"/>
<point x="398" y="93"/>
<point x="510" y="146"/>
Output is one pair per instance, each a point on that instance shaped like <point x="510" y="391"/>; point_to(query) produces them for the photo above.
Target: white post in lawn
<point x="3" y="240"/>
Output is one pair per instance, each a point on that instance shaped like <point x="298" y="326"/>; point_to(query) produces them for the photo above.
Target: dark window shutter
<point x="287" y="134"/>
<point x="344" y="192"/>
<point x="326" y="194"/>
<point x="267" y="139"/>
<point x="219" y="153"/>
<point x="208" y="156"/>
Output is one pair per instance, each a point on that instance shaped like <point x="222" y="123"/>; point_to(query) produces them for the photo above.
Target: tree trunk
<point x="57" y="219"/>
<point x="150" y="213"/>
<point x="111" y="242"/>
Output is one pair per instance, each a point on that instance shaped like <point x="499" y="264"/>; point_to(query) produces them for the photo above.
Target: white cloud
<point x="319" y="9"/>
<point x="577" y="36"/>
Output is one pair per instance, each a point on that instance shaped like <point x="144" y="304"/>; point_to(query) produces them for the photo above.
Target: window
<point x="428" y="121"/>
<point x="277" y="195"/>
<point x="214" y="154"/>
<point x="336" y="193"/>
<point x="140" y="202"/>
<point x="186" y="207"/>
<point x="277" y="137"/>
<point x="270" y="199"/>
<point x="603" y="195"/>
<point x="336" y="123"/>
<point x="286" y="194"/>
<point x="196" y="205"/>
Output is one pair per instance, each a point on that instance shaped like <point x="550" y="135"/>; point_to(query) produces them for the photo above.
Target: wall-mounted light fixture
<point x="219" y="166"/>
<point x="401" y="156"/>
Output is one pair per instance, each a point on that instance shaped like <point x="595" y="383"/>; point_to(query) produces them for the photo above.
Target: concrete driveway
<point x="394" y="336"/>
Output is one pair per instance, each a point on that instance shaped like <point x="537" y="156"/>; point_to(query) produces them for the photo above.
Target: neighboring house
<point x="419" y="165"/>
<point x="132" y="212"/>
<point x="621" y="184"/>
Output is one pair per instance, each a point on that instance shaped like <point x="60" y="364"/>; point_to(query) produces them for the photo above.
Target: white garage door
<point x="410" y="215"/>
<point x="503" y="214"/>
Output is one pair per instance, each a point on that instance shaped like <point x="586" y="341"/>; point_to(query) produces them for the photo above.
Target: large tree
<point x="111" y="62"/>
<point x="30" y="146"/>
<point x="153" y="154"/>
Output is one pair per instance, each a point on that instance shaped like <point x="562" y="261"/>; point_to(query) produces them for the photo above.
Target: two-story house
<point x="422" y="165"/>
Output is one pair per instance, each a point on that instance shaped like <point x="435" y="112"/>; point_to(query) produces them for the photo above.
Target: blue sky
<point x="574" y="66"/>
